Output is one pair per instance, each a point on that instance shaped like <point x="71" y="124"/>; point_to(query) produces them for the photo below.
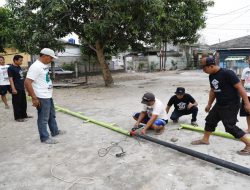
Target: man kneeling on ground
<point x="153" y="114"/>
<point x="184" y="104"/>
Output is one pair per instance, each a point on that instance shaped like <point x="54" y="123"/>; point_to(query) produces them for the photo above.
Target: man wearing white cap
<point x="39" y="87"/>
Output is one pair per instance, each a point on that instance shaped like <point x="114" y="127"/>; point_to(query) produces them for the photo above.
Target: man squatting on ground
<point x="225" y="88"/>
<point x="4" y="82"/>
<point x="16" y="79"/>
<point x="184" y="104"/>
<point x="153" y="114"/>
<point x="245" y="80"/>
<point x="39" y="87"/>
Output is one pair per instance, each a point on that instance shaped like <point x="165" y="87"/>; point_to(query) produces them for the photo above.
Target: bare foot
<point x="199" y="142"/>
<point x="245" y="151"/>
<point x="247" y="131"/>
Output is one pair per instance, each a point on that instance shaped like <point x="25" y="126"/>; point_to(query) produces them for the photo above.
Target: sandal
<point x="199" y="142"/>
<point x="244" y="152"/>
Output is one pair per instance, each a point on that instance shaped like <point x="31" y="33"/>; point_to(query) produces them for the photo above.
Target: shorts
<point x="157" y="122"/>
<point x="243" y="112"/>
<point x="4" y="89"/>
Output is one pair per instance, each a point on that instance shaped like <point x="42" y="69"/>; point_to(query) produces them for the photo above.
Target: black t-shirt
<point x="222" y="82"/>
<point x="181" y="104"/>
<point x="17" y="74"/>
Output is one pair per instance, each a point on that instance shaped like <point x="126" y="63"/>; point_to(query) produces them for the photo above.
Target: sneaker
<point x="50" y="141"/>
<point x="194" y="123"/>
<point x="21" y="120"/>
<point x="61" y="132"/>
<point x="29" y="116"/>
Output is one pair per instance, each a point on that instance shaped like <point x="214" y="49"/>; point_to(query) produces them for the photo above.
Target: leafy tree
<point x="33" y="27"/>
<point x="109" y="26"/>
<point x="6" y="28"/>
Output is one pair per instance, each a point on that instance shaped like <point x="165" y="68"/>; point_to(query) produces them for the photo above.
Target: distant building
<point x="10" y="52"/>
<point x="174" y="57"/>
<point x="71" y="54"/>
<point x="232" y="54"/>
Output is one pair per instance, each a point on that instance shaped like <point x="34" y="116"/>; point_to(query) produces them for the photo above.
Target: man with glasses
<point x="226" y="88"/>
<point x="39" y="87"/>
<point x="153" y="114"/>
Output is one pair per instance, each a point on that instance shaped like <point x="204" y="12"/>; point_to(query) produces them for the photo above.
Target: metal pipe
<point x="208" y="158"/>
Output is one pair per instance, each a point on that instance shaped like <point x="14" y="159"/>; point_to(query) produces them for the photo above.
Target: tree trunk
<point x="108" y="80"/>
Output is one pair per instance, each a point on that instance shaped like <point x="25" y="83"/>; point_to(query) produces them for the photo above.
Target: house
<point x="9" y="54"/>
<point x="71" y="55"/>
<point x="168" y="58"/>
<point x="232" y="54"/>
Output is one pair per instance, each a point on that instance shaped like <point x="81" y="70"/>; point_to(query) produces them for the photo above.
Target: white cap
<point x="47" y="51"/>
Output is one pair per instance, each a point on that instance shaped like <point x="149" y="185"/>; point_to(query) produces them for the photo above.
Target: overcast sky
<point x="228" y="19"/>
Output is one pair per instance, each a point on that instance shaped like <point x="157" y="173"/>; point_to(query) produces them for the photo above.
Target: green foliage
<point x="35" y="27"/>
<point x="106" y="27"/>
<point x="115" y="24"/>
<point x="6" y="28"/>
<point x="174" y="65"/>
<point x="141" y="66"/>
<point x="69" y="67"/>
<point x="153" y="66"/>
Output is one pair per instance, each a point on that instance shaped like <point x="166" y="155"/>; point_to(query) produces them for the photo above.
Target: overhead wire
<point x="228" y="13"/>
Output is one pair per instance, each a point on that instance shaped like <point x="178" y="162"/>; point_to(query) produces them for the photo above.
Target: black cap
<point x="147" y="97"/>
<point x="210" y="61"/>
<point x="207" y="61"/>
<point x="180" y="91"/>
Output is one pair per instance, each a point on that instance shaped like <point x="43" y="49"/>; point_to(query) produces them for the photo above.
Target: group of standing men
<point x="38" y="85"/>
<point x="12" y="81"/>
<point x="225" y="88"/>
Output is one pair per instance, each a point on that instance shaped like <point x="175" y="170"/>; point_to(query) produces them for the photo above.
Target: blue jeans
<point x="157" y="122"/>
<point x="46" y="116"/>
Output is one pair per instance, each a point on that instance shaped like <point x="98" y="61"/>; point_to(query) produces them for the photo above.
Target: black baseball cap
<point x="147" y="97"/>
<point x="207" y="61"/>
<point x="180" y="91"/>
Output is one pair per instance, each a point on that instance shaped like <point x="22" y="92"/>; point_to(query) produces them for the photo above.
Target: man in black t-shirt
<point x="184" y="104"/>
<point x="16" y="78"/>
<point x="226" y="89"/>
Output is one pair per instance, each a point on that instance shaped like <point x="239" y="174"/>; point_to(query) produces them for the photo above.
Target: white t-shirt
<point x="246" y="77"/>
<point x="42" y="85"/>
<point x="156" y="109"/>
<point x="4" y="79"/>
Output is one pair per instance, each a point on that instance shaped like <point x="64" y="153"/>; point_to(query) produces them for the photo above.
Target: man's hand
<point x="247" y="107"/>
<point x="14" y="91"/>
<point x="35" y="102"/>
<point x="207" y="108"/>
<point x="143" y="131"/>
<point x="189" y="106"/>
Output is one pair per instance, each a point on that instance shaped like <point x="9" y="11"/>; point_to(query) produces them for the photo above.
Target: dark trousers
<point x="176" y="113"/>
<point x="19" y="103"/>
<point x="228" y="115"/>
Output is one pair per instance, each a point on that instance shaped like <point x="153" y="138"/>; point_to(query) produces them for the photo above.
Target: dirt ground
<point x="74" y="163"/>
